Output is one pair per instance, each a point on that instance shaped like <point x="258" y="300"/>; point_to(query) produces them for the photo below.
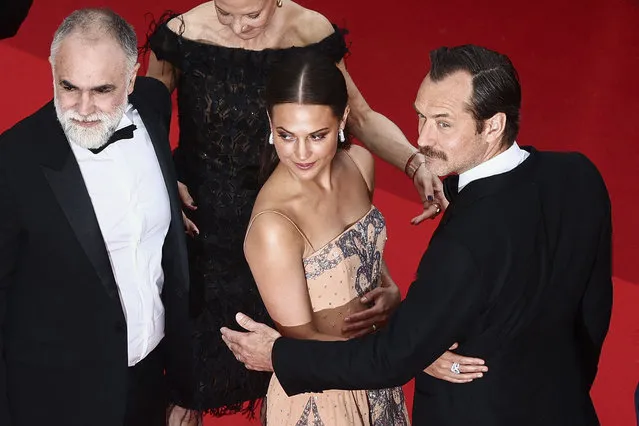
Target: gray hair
<point x="95" y="23"/>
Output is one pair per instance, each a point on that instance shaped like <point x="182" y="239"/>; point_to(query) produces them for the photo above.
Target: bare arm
<point x="274" y="251"/>
<point x="163" y="71"/>
<point x="377" y="132"/>
<point x="386" y="140"/>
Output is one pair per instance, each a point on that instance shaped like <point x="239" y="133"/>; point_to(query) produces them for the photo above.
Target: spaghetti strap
<point x="285" y="217"/>
<point x="358" y="168"/>
<point x="354" y="162"/>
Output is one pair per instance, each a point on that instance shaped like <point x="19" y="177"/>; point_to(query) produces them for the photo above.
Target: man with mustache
<point x="93" y="272"/>
<point x="518" y="271"/>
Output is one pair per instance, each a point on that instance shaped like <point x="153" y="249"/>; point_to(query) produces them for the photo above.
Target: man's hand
<point x="469" y="368"/>
<point x="253" y="349"/>
<point x="384" y="300"/>
<point x="431" y="192"/>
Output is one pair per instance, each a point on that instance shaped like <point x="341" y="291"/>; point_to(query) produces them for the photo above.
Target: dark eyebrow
<point x="440" y="115"/>
<point x="103" y="88"/>
<point x="312" y="133"/>
<point x="67" y="84"/>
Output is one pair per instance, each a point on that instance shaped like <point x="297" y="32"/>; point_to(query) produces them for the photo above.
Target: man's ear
<point x="132" y="78"/>
<point x="494" y="128"/>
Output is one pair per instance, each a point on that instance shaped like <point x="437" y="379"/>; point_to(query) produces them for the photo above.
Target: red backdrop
<point x="578" y="64"/>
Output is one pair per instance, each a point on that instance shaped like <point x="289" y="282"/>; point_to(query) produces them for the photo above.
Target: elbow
<point x="358" y="118"/>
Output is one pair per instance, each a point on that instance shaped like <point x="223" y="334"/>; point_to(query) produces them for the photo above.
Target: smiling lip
<point x="304" y="166"/>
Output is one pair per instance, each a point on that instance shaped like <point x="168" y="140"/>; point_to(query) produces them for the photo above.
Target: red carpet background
<point x="577" y="61"/>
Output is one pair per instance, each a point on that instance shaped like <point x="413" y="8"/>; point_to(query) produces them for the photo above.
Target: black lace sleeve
<point x="333" y="46"/>
<point x="164" y="43"/>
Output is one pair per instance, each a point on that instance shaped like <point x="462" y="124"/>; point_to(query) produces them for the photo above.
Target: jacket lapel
<point x="65" y="179"/>
<point x="159" y="133"/>
<point x="160" y="139"/>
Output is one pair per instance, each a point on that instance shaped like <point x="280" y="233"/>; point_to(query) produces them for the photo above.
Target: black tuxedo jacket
<point x="519" y="273"/>
<point x="63" y="339"/>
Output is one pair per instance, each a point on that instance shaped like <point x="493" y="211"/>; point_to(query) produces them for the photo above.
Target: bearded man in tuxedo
<point x="93" y="268"/>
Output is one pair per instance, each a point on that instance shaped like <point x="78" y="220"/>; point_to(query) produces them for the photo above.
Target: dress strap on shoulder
<point x="359" y="169"/>
<point x="354" y="162"/>
<point x="285" y="217"/>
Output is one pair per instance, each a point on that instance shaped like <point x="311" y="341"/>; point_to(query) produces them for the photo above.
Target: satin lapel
<point x="67" y="184"/>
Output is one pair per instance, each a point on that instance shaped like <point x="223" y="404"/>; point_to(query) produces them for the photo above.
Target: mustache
<point x="429" y="152"/>
<point x="75" y="116"/>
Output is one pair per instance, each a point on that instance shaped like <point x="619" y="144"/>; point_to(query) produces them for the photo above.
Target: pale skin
<point x="447" y="131"/>
<point x="86" y="81"/>
<point x="260" y="24"/>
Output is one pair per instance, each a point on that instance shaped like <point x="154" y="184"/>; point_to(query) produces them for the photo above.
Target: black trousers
<point x="147" y="392"/>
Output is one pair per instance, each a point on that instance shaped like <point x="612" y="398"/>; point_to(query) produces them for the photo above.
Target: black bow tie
<point x="451" y="187"/>
<point x="123" y="133"/>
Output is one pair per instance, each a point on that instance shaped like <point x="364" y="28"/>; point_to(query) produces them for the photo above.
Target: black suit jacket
<point x="519" y="273"/>
<point x="63" y="341"/>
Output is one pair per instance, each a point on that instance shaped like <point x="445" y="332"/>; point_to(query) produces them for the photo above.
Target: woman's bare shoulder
<point x="309" y="25"/>
<point x="191" y="23"/>
<point x="274" y="196"/>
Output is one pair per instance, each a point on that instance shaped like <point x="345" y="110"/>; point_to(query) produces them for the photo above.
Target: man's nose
<point x="85" y="104"/>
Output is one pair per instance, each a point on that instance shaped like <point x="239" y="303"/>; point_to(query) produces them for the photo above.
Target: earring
<point x="270" y="138"/>
<point x="279" y="3"/>
<point x="341" y="136"/>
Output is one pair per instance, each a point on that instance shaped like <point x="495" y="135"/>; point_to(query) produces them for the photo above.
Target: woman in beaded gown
<point x="217" y="57"/>
<point x="315" y="242"/>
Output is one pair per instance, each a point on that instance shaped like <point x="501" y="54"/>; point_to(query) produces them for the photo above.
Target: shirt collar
<point x="127" y="117"/>
<point x="501" y="163"/>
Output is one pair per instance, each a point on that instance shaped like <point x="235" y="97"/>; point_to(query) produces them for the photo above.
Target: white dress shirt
<point x="131" y="203"/>
<point x="500" y="163"/>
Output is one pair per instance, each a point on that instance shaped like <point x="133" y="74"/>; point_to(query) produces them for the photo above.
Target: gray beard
<point x="93" y="137"/>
